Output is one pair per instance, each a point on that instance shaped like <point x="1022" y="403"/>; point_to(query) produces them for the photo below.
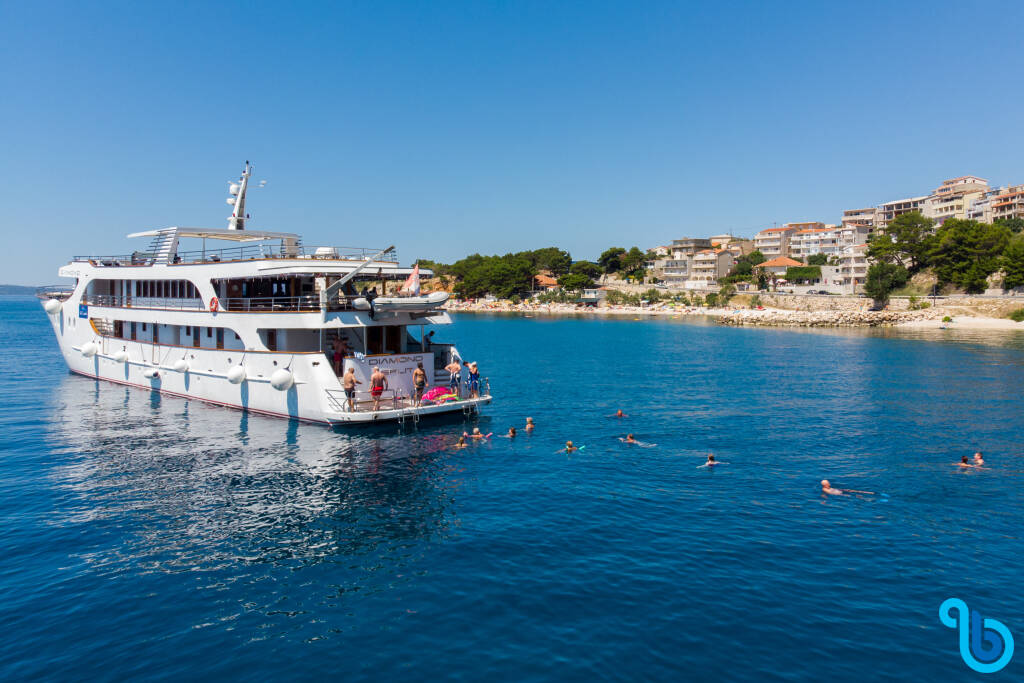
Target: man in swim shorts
<point x="349" y="383"/>
<point x="378" y="383"/>
<point x="419" y="382"/>
<point x="455" y="370"/>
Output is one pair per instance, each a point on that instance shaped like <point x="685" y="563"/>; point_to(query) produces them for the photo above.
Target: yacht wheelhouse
<point x="257" y="320"/>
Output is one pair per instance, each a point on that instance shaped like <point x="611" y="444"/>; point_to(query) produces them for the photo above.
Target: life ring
<point x="214" y="305"/>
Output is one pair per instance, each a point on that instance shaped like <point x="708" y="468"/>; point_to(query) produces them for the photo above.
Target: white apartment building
<point x="774" y="242"/>
<point x="888" y="211"/>
<point x="804" y="243"/>
<point x="853" y="267"/>
<point x="1009" y="203"/>
<point x="673" y="271"/>
<point x="953" y="198"/>
<point x="708" y="266"/>
<point x="860" y="218"/>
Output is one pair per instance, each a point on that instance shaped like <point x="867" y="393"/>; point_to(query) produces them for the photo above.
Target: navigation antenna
<point x="237" y="199"/>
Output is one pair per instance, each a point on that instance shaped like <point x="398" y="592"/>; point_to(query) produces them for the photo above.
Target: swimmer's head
<point x="568" y="444"/>
<point x="629" y="436"/>
<point x="476" y="430"/>
<point x="529" y="420"/>
<point x="825" y="484"/>
<point x="711" y="457"/>
<point x="977" y="456"/>
<point x="963" y="458"/>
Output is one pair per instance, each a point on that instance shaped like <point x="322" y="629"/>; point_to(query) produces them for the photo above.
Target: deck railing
<point x="244" y="253"/>
<point x="303" y="304"/>
<point x="58" y="292"/>
<point x="116" y="301"/>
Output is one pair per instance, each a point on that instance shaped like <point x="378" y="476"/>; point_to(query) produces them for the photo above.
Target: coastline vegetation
<point x="961" y="253"/>
<point x="513" y="275"/>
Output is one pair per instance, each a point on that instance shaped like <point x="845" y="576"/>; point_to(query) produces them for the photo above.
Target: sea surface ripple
<point x="157" y="538"/>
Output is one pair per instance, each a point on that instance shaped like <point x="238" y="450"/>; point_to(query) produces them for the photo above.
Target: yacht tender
<point x="250" y="319"/>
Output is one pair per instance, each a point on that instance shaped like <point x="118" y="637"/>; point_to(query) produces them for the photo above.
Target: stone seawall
<point x="832" y="318"/>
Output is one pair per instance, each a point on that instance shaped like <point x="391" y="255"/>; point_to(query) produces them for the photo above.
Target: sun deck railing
<point x="58" y="292"/>
<point x="253" y="252"/>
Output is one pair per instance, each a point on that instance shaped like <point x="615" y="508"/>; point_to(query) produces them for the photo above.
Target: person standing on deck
<point x="378" y="383"/>
<point x="349" y="384"/>
<point x="419" y="381"/>
<point x="474" y="380"/>
<point x="455" y="370"/>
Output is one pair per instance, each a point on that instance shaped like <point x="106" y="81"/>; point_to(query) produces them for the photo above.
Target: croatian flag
<point x="412" y="285"/>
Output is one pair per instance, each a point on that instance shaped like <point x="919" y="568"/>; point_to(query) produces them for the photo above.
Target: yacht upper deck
<point x="165" y="249"/>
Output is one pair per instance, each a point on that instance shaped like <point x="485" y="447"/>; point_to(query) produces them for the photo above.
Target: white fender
<point x="120" y="356"/>
<point x="180" y="365"/>
<point x="90" y="349"/>
<point x="236" y="375"/>
<point x="51" y="306"/>
<point x="150" y="373"/>
<point x="282" y="379"/>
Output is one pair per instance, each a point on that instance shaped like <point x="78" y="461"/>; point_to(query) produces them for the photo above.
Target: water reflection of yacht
<point x="208" y="491"/>
<point x="254" y="325"/>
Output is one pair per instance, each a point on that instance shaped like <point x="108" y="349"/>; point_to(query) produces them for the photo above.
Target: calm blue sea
<point x="156" y="538"/>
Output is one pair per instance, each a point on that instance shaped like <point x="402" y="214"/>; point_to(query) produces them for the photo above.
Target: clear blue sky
<point x="448" y="128"/>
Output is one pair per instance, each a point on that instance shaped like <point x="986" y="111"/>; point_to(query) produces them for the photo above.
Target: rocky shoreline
<point x="765" y="317"/>
<point x="784" y="318"/>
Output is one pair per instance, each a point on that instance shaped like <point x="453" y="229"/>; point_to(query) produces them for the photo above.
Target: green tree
<point x="905" y="241"/>
<point x="966" y="252"/>
<point x="883" y="278"/>
<point x="575" y="282"/>
<point x="743" y="268"/>
<point x="817" y="260"/>
<point x="633" y="262"/>
<point x="591" y="270"/>
<point x="1015" y="224"/>
<point x="556" y="261"/>
<point x="726" y="293"/>
<point x="610" y="259"/>
<point x="798" y="273"/>
<point x="1013" y="263"/>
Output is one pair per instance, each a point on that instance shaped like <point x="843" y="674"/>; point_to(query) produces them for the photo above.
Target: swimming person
<point x="461" y="443"/>
<point x="711" y="460"/>
<point x="349" y="384"/>
<point x="826" y="488"/>
<point x="419" y="381"/>
<point x="629" y="439"/>
<point x="455" y="379"/>
<point x="569" y="448"/>
<point x="378" y="383"/>
<point x="978" y="460"/>
<point x="477" y="435"/>
<point x="529" y="424"/>
<point x="963" y="462"/>
<point x="511" y="432"/>
<point x="619" y="413"/>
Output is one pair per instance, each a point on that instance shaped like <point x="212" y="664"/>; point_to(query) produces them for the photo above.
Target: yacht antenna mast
<point x="237" y="200"/>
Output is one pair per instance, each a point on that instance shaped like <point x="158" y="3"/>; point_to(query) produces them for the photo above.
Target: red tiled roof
<point x="779" y="261"/>
<point x="545" y="281"/>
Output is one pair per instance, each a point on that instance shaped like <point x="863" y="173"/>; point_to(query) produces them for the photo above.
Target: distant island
<point x="9" y="290"/>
